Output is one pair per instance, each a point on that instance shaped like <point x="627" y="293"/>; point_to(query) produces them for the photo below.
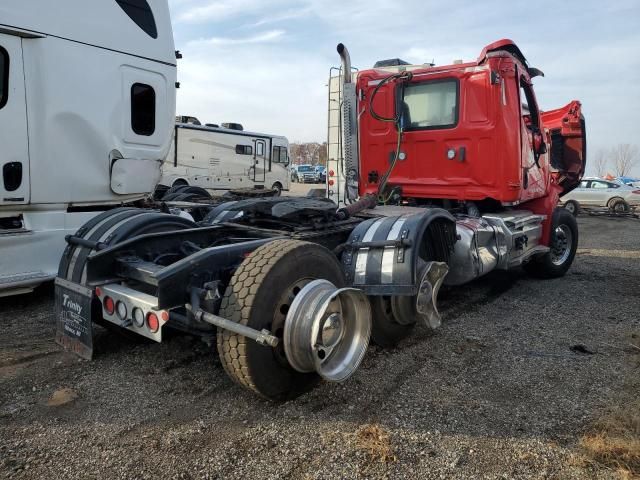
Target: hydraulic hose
<point x="369" y="200"/>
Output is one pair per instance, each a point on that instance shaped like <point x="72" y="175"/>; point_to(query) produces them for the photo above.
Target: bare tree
<point x="309" y="152"/>
<point x="601" y="161"/>
<point x="624" y="157"/>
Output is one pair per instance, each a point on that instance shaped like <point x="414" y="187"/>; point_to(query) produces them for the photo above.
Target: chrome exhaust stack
<point x="349" y="106"/>
<point x="345" y="59"/>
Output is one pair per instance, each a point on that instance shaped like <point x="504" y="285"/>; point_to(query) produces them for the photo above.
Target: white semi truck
<point x="225" y="157"/>
<point x="87" y="106"/>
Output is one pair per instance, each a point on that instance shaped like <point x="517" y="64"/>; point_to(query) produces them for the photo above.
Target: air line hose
<point x="369" y="200"/>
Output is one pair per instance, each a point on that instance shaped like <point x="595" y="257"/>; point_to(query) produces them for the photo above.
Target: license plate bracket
<point x="74" y="330"/>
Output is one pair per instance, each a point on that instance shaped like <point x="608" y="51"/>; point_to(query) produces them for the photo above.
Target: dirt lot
<point x="519" y="371"/>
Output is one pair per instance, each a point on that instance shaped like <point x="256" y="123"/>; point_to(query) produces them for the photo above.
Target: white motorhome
<point x="225" y="157"/>
<point x="85" y="121"/>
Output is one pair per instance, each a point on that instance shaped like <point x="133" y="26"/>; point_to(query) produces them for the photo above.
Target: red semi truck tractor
<point x="441" y="175"/>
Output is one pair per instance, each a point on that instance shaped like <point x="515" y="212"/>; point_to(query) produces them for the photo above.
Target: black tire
<point x="184" y="189"/>
<point x="386" y="330"/>
<point x="179" y="183"/>
<point x="171" y="196"/>
<point x="277" y="189"/>
<point x="185" y="197"/>
<point x="557" y="261"/>
<point x="177" y="186"/>
<point x="159" y="192"/>
<point x="199" y="191"/>
<point x="258" y="295"/>
<point x="572" y="207"/>
<point x="618" y="205"/>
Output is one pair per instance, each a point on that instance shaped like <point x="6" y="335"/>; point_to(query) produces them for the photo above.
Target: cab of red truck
<point x="469" y="134"/>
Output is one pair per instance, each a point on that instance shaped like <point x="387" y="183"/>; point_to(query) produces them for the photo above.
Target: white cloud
<point x="281" y="17"/>
<point x="268" y="36"/>
<point x="199" y="11"/>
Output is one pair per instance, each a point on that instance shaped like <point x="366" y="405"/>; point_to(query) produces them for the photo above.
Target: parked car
<point x="305" y="174"/>
<point x="631" y="181"/>
<point x="595" y="192"/>
<point x="321" y="171"/>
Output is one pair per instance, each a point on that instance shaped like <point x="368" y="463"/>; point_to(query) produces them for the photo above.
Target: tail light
<point x="121" y="309"/>
<point x="109" y="305"/>
<point x="637" y="192"/>
<point x="331" y="173"/>
<point x="138" y="317"/>
<point x="153" y="323"/>
<point x="330" y="182"/>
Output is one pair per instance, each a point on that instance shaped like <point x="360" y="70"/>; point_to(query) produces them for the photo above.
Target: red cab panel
<point x="472" y="131"/>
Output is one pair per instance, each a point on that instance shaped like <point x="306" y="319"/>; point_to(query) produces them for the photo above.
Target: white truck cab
<point x="85" y="121"/>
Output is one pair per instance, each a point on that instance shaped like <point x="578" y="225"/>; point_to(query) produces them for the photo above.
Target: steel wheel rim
<point x="562" y="241"/>
<point x="570" y="207"/>
<point x="337" y="355"/>
<point x="285" y="301"/>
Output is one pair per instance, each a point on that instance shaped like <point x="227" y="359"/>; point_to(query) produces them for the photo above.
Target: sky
<point x="265" y="64"/>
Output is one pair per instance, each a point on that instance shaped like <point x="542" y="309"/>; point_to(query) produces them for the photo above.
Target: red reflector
<point x="330" y="182"/>
<point x="109" y="306"/>
<point x="637" y="192"/>
<point x="152" y="322"/>
<point x="165" y="316"/>
<point x="98" y="292"/>
<point x="331" y="173"/>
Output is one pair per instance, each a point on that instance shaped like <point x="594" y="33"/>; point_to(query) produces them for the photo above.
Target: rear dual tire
<point x="393" y="319"/>
<point x="259" y="295"/>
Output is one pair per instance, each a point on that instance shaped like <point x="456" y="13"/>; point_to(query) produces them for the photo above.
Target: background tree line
<point x="313" y="153"/>
<point x="618" y="161"/>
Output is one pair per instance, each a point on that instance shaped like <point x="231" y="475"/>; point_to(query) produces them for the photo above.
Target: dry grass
<point x="374" y="440"/>
<point x="614" y="440"/>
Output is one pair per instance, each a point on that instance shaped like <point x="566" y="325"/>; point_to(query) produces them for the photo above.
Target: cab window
<point x="529" y="108"/>
<point x="140" y="12"/>
<point x="430" y="105"/>
<point x="4" y="77"/>
<point x="143" y="109"/>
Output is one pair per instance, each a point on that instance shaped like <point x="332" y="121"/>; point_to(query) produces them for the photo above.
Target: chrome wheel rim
<point x="327" y="330"/>
<point x="561" y="247"/>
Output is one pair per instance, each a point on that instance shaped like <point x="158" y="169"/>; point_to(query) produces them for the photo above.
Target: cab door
<point x="14" y="151"/>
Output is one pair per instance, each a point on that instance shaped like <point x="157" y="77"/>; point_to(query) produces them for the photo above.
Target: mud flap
<point x="73" y="317"/>
<point x="426" y="300"/>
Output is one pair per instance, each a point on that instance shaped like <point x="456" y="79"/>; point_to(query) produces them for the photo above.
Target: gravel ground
<point x="497" y="392"/>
